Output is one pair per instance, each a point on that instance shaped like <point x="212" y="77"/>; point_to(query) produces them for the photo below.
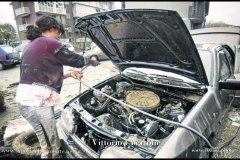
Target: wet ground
<point x="9" y="79"/>
<point x="227" y="139"/>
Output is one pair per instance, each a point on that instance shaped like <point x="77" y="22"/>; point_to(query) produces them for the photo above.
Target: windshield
<point x="20" y="48"/>
<point x="8" y="49"/>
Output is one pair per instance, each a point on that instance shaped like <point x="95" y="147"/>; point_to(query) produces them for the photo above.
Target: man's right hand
<point x="74" y="74"/>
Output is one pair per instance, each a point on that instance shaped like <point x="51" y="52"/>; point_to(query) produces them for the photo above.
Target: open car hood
<point x="145" y="38"/>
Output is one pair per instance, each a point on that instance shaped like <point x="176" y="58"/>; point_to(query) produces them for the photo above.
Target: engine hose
<point x="108" y="100"/>
<point x="153" y="116"/>
<point x="130" y="120"/>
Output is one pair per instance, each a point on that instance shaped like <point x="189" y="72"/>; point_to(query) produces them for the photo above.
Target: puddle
<point x="229" y="134"/>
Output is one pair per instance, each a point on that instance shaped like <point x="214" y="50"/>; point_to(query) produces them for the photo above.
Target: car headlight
<point x="67" y="120"/>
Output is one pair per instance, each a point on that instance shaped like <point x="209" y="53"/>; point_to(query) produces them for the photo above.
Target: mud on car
<point x="168" y="100"/>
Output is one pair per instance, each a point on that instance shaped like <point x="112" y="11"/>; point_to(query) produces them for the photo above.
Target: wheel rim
<point x="1" y="66"/>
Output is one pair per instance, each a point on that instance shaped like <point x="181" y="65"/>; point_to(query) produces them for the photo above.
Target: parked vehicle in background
<point x="8" y="57"/>
<point x="228" y="35"/>
<point x="9" y="49"/>
<point x="19" y="49"/>
<point x="69" y="46"/>
<point x="15" y="44"/>
<point x="94" y="51"/>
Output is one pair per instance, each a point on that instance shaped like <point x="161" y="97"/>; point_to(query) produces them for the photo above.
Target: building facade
<point x="67" y="12"/>
<point x="193" y="13"/>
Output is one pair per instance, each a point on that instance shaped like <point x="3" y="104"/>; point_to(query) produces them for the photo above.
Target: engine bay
<point x="102" y="122"/>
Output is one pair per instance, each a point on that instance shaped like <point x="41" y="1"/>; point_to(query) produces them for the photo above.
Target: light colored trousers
<point x="43" y="121"/>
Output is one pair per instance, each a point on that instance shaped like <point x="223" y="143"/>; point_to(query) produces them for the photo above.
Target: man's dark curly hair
<point x="44" y="23"/>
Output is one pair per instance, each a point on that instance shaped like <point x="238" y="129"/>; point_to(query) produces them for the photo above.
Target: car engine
<point x="102" y="123"/>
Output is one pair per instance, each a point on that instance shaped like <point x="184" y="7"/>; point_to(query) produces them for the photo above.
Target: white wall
<point x="181" y="7"/>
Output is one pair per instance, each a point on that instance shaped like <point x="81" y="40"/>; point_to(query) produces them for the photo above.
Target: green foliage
<point x="7" y="33"/>
<point x="216" y="24"/>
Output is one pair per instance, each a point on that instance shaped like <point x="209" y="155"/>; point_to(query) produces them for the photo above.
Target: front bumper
<point x="73" y="146"/>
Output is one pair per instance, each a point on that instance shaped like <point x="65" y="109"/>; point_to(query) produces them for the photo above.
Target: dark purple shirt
<point x="43" y="61"/>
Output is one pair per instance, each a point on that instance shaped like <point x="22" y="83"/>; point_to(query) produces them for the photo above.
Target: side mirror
<point x="230" y="84"/>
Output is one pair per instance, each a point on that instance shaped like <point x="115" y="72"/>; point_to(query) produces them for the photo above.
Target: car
<point x="93" y="51"/>
<point x="228" y="35"/>
<point x="70" y="47"/>
<point x="12" y="54"/>
<point x="7" y="58"/>
<point x="168" y="101"/>
<point x="10" y="50"/>
<point x="19" y="49"/>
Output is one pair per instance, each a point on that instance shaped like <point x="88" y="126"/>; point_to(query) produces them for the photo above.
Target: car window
<point x="230" y="59"/>
<point x="225" y="70"/>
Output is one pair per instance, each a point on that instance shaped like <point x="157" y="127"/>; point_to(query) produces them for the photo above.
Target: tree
<point x="7" y="33"/>
<point x="216" y="24"/>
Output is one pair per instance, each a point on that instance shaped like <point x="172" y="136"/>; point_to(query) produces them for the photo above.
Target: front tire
<point x="1" y="66"/>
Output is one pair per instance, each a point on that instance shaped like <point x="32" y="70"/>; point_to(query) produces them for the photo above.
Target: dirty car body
<point x="228" y="35"/>
<point x="217" y="35"/>
<point x="163" y="74"/>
